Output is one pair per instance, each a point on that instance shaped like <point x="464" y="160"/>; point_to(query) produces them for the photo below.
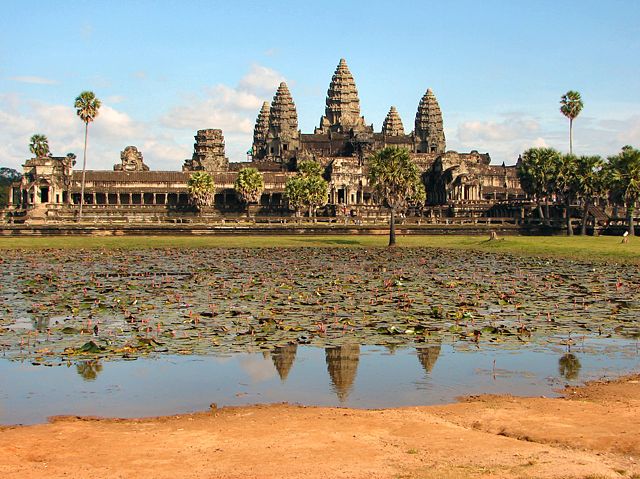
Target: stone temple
<point x="457" y="184"/>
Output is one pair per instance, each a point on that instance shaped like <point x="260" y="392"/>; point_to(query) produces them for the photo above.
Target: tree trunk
<point x="392" y="228"/>
<point x="571" y="136"/>
<point x="84" y="169"/>
<point x="547" y="215"/>
<point x="540" y="213"/>
<point x="585" y="217"/>
<point x="567" y="215"/>
<point x="632" y="228"/>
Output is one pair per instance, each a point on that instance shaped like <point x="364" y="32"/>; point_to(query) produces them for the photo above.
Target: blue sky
<point x="165" y="69"/>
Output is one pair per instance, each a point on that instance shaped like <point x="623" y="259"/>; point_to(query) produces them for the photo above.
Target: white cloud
<point x="261" y="79"/>
<point x="34" y="80"/>
<point x="508" y="136"/>
<point x="164" y="141"/>
<point x="506" y="130"/>
<point x="232" y="109"/>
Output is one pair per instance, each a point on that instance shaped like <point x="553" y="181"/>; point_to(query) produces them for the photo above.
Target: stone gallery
<point x="456" y="183"/>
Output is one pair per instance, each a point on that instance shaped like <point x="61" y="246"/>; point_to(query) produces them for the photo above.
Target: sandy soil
<point x="593" y="432"/>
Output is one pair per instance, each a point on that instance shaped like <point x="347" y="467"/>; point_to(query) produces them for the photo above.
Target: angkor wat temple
<point x="456" y="183"/>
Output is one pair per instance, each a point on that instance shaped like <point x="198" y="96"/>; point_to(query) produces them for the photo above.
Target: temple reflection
<point x="428" y="357"/>
<point x="342" y="364"/>
<point x="283" y="358"/>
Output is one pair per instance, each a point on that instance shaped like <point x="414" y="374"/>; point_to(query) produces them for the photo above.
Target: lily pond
<point x="166" y="331"/>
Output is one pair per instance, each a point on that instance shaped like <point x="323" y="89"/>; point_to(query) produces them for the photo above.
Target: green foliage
<point x="39" y="145"/>
<point x="623" y="175"/>
<point x="249" y="185"/>
<point x="395" y="178"/>
<point x="589" y="176"/>
<point x="317" y="190"/>
<point x="565" y="181"/>
<point x="571" y="104"/>
<point x="295" y="192"/>
<point x="310" y="168"/>
<point x="307" y="188"/>
<point x="201" y="189"/>
<point x="7" y="177"/>
<point x="537" y="171"/>
<point x="87" y="106"/>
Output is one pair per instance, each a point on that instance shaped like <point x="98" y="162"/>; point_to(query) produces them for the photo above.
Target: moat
<point x="163" y="331"/>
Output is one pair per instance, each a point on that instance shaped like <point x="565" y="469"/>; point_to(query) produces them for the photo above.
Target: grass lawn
<point x="607" y="248"/>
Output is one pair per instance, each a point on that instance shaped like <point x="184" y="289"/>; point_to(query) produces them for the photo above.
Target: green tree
<point x="249" y="185"/>
<point x="396" y="181"/>
<point x="8" y="176"/>
<point x="589" y="184"/>
<point x="571" y="106"/>
<point x="87" y="106"/>
<point x="565" y="185"/>
<point x="295" y="192"/>
<point x="310" y="168"/>
<point x="307" y="188"/>
<point x="537" y="172"/>
<point x="39" y="145"/>
<point x="316" y="193"/>
<point x="201" y="188"/>
<point x="624" y="180"/>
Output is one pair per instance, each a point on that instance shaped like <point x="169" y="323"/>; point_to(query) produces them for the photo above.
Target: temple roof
<point x="283" y="115"/>
<point x="392" y="125"/>
<point x="342" y="110"/>
<point x="262" y="124"/>
<point x="428" y="126"/>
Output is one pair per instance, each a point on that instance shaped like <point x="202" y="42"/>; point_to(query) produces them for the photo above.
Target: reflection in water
<point x="40" y="323"/>
<point x="89" y="369"/>
<point x="342" y="363"/>
<point x="283" y="358"/>
<point x="391" y="348"/>
<point x="569" y="366"/>
<point x="428" y="357"/>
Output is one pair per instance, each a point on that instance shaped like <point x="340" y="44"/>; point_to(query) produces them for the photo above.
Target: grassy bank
<point x="598" y="248"/>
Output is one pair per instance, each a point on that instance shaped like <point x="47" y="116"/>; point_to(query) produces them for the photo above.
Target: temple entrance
<point x="44" y="194"/>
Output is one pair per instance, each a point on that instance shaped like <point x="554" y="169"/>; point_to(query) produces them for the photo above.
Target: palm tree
<point x="571" y="108"/>
<point x="201" y="188"/>
<point x="87" y="106"/>
<point x="589" y="184"/>
<point x="537" y="172"/>
<point x="565" y="185"/>
<point x="39" y="145"/>
<point x="396" y="181"/>
<point x="249" y="185"/>
<point x="624" y="180"/>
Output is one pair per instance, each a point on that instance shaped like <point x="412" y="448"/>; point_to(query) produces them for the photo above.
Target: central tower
<point x="342" y="111"/>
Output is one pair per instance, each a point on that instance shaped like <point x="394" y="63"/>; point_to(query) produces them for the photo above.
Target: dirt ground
<point x="593" y="432"/>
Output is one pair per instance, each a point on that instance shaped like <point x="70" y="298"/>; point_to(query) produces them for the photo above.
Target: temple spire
<point x="283" y="115"/>
<point x="342" y="111"/>
<point x="392" y="125"/>
<point x="260" y="132"/>
<point x="429" y="131"/>
<point x="283" y="137"/>
<point x="262" y="124"/>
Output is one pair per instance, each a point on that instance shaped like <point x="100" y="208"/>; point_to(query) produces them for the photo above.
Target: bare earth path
<point x="594" y="432"/>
